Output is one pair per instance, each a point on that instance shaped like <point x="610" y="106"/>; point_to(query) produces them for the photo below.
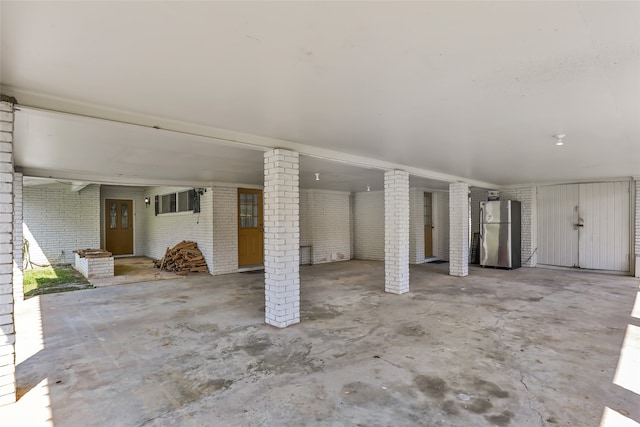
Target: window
<point x="182" y="201"/>
<point x="124" y="216"/>
<point x="168" y="203"/>
<point x="427" y="209"/>
<point x="185" y="201"/>
<point x="249" y="210"/>
<point x="113" y="212"/>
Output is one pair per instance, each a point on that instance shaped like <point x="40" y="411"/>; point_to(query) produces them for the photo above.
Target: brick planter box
<point x="94" y="263"/>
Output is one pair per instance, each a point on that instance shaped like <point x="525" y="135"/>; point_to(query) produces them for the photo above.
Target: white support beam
<point x="37" y="101"/>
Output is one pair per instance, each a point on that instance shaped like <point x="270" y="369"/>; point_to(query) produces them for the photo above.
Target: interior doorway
<point x="250" y="227"/>
<point x="428" y="225"/>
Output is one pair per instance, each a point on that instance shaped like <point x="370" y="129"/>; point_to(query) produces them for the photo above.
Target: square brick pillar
<point x="7" y="330"/>
<point x="458" y="229"/>
<point x="396" y="231"/>
<point x="281" y="238"/>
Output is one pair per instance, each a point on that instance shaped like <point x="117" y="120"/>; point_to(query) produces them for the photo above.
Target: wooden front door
<point x="428" y="225"/>
<point x="250" y="227"/>
<point x="118" y="225"/>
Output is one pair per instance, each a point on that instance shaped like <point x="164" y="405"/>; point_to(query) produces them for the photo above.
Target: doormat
<point x="440" y="261"/>
<point x="253" y="272"/>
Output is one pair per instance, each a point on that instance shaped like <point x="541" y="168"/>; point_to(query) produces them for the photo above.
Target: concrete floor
<point x="134" y="269"/>
<point x="530" y="347"/>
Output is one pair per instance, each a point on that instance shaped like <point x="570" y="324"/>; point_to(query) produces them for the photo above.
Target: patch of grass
<point x="47" y="280"/>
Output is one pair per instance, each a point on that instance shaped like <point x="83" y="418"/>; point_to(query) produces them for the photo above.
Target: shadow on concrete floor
<point x="134" y="270"/>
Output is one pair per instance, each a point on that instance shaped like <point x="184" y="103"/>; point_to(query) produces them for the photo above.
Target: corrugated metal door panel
<point x="557" y="235"/>
<point x="604" y="239"/>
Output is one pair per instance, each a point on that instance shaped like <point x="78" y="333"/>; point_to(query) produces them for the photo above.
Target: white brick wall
<point x="57" y="221"/>
<point x="637" y="227"/>
<point x="458" y="229"/>
<point x="325" y="224"/>
<point x="368" y="234"/>
<point x="7" y="330"/>
<point x="637" y="217"/>
<point x="441" y="230"/>
<point x="396" y="231"/>
<point x="477" y="195"/>
<point x="281" y="237"/>
<point x="166" y="230"/>
<point x="368" y="225"/>
<point x="416" y="226"/>
<point x="352" y="219"/>
<point x="18" y="287"/>
<point x="225" y="230"/>
<point x="527" y="196"/>
<point x="94" y="268"/>
<point x="440" y="211"/>
<point x="137" y="194"/>
<point x="306" y="232"/>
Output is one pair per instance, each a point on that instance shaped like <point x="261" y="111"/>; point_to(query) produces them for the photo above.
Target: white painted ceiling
<point x="449" y="90"/>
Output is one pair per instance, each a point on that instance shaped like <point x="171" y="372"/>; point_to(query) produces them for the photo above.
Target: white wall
<point x="636" y="212"/>
<point x="368" y="225"/>
<point x="416" y="226"/>
<point x="136" y="194"/>
<point x="441" y="225"/>
<point x="18" y="276"/>
<point x="477" y="195"/>
<point x="57" y="221"/>
<point x="166" y="230"/>
<point x="306" y="233"/>
<point x="325" y="224"/>
<point x="225" y="230"/>
<point x="368" y="213"/>
<point x="527" y="196"/>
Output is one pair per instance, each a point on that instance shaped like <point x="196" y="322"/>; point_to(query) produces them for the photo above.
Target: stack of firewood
<point x="183" y="258"/>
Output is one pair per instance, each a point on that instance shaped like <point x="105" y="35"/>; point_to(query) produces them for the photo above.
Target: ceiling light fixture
<point x="317" y="174"/>
<point x="559" y="138"/>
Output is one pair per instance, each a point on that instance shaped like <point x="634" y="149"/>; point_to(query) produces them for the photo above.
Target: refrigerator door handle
<point x="481" y="220"/>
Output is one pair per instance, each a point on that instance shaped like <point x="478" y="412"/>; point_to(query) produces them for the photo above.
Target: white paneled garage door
<point x="584" y="225"/>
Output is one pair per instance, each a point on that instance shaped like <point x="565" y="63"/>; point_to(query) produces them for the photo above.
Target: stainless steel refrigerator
<point x="500" y="234"/>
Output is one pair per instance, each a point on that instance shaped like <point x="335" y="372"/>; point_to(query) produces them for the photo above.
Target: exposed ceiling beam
<point x="108" y="180"/>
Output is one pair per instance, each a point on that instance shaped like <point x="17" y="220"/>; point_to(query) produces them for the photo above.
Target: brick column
<point x="396" y="232"/>
<point x="281" y="238"/>
<point x="7" y="331"/>
<point x="18" y="288"/>
<point x="458" y="229"/>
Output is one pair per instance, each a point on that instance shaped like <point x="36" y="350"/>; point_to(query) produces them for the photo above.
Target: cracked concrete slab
<point x="529" y="347"/>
